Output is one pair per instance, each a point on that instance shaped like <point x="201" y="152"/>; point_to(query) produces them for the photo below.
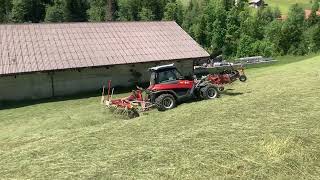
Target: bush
<point x="311" y="39"/>
<point x="264" y="48"/>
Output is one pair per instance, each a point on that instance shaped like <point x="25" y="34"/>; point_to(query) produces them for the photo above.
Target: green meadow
<point x="266" y="128"/>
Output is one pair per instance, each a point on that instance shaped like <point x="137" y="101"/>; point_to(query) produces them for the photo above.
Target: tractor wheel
<point x="243" y="78"/>
<point x="221" y="89"/>
<point x="209" y="92"/>
<point x="165" y="102"/>
<point x="133" y="113"/>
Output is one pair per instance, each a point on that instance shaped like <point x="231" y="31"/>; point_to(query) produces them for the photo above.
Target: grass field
<point x="267" y="128"/>
<point x="283" y="5"/>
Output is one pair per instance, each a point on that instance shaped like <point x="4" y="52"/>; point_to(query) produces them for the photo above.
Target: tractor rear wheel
<point x="209" y="92"/>
<point x="165" y="102"/>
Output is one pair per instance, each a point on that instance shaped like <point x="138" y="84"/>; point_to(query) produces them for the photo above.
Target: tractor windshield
<point x="168" y="76"/>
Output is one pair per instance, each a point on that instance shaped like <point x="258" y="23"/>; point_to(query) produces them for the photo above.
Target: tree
<point x="190" y="17"/>
<point x="263" y="48"/>
<point x="97" y="10"/>
<point x="75" y="10"/>
<point x="111" y="9"/>
<point x="123" y="14"/>
<point x="273" y="34"/>
<point x="311" y="39"/>
<point x="216" y="25"/>
<point x="314" y="18"/>
<point x="28" y="11"/>
<point x="20" y="11"/>
<point x="156" y="6"/>
<point x="260" y="20"/>
<point x="5" y="10"/>
<point x="55" y="13"/>
<point x="233" y="32"/>
<point x="292" y="30"/>
<point x="245" y="46"/>
<point x="174" y="12"/>
<point x="146" y="15"/>
<point x="129" y="10"/>
<point x="200" y="31"/>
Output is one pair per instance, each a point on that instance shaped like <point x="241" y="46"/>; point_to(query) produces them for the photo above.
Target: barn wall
<point x="31" y="86"/>
<point x="39" y="86"/>
<point x="91" y="79"/>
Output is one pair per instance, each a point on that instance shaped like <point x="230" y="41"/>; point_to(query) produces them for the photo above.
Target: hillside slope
<point x="267" y="128"/>
<point x="284" y="5"/>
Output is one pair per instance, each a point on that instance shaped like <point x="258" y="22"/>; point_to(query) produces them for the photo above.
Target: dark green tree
<point x="314" y="18"/>
<point x="263" y="48"/>
<point x="55" y="13"/>
<point x="28" y="11"/>
<point x="292" y="31"/>
<point x="97" y="10"/>
<point x="111" y="9"/>
<point x="75" y="10"/>
<point x="233" y="33"/>
<point x="311" y="39"/>
<point x="146" y="15"/>
<point x="273" y="34"/>
<point x="216" y="25"/>
<point x="5" y="10"/>
<point x="245" y="47"/>
<point x="200" y="31"/>
<point x="174" y="12"/>
<point x="20" y="11"/>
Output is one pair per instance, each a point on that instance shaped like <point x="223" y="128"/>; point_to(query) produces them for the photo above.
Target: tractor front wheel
<point x="165" y="102"/>
<point x="209" y="92"/>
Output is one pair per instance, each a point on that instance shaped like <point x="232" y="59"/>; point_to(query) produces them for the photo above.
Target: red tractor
<point x="168" y="87"/>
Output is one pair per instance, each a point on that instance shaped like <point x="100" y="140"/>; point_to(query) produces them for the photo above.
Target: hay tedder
<point x="168" y="88"/>
<point x="130" y="106"/>
<point x="227" y="77"/>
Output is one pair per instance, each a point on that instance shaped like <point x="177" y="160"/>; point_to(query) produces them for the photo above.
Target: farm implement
<point x="169" y="88"/>
<point x="227" y="77"/>
<point x="130" y="106"/>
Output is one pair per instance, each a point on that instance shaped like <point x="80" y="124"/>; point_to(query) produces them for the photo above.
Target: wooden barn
<point x="47" y="60"/>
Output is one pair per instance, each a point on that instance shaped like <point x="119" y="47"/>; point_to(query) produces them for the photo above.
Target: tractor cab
<point x="166" y="74"/>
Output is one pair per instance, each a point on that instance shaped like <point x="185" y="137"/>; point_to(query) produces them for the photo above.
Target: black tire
<point x="209" y="92"/>
<point x="165" y="102"/>
<point x="221" y="89"/>
<point x="133" y="114"/>
<point x="243" y="78"/>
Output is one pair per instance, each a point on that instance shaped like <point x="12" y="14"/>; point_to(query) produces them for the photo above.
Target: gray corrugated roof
<point x="45" y="47"/>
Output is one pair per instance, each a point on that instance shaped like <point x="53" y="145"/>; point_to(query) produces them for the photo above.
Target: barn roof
<point x="46" y="47"/>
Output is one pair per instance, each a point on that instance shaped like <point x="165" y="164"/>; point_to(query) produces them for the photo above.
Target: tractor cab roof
<point x="163" y="67"/>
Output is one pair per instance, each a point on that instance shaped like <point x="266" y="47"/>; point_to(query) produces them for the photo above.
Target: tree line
<point x="228" y="27"/>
